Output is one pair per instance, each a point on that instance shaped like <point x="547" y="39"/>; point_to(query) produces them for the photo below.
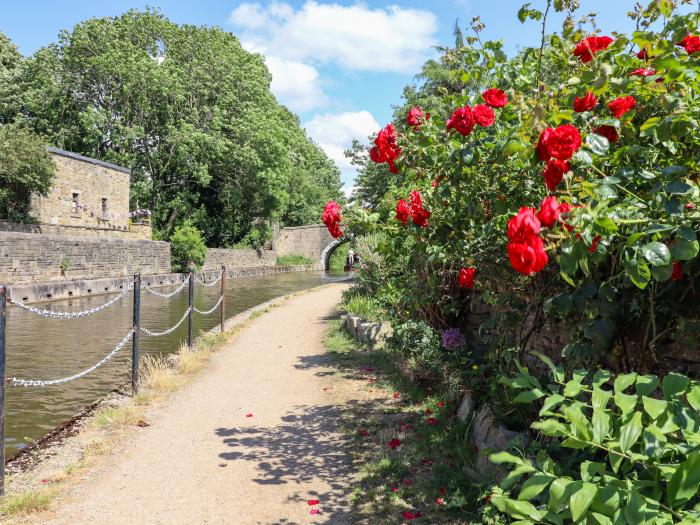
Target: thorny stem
<point x="539" y="58"/>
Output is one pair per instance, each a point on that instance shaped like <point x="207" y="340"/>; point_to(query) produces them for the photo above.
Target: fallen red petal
<point x="313" y="502"/>
<point x="396" y="395"/>
<point x="249" y="415"/>
<point x="314" y="511"/>
<point x="439" y="501"/>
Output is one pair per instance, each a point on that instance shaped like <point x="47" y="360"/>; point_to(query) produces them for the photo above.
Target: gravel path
<point x="204" y="460"/>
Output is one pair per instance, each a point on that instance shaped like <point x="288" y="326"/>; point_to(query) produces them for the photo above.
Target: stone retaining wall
<point x="218" y="257"/>
<point x="132" y="232"/>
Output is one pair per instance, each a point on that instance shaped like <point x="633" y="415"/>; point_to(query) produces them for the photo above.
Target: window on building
<point x="75" y="204"/>
<point x="105" y="207"/>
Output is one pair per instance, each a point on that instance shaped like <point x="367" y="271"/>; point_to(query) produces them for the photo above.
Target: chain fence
<point x="212" y="283"/>
<point x="68" y="315"/>
<point x="221" y="298"/>
<point x="150" y="290"/>
<point x="169" y="330"/>
<point x="14" y="381"/>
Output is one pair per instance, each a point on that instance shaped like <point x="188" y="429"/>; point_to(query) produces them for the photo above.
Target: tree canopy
<point x="186" y="108"/>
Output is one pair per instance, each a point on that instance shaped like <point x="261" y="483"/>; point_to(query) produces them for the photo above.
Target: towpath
<point x="249" y="441"/>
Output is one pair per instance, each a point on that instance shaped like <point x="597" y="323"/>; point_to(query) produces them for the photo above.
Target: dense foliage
<point x="186" y="108"/>
<point x="549" y="202"/>
<point x="187" y="248"/>
<point x="26" y="169"/>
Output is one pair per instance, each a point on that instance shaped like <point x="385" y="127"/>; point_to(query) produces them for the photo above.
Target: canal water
<point x="41" y="348"/>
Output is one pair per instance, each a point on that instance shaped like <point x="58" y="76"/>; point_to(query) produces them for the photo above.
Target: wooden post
<point x="136" y="337"/>
<point x="3" y="306"/>
<point x="222" y="310"/>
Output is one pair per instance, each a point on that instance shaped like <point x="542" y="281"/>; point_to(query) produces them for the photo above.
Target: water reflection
<point x="39" y="348"/>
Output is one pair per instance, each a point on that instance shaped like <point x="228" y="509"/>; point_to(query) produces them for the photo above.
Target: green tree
<point x="187" y="248"/>
<point x="25" y="169"/>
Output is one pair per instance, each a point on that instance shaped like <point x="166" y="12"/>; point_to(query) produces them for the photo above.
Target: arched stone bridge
<point x="312" y="241"/>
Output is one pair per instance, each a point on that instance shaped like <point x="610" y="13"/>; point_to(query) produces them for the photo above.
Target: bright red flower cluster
<point x="466" y="277"/>
<point x="643" y="72"/>
<point x="622" y="105"/>
<point x="403" y="212"/>
<point x="495" y="98"/>
<point x="419" y="214"/>
<point x="331" y="218"/>
<point x="525" y="247"/>
<point x="589" y="46"/>
<point x="483" y="115"/>
<point x="609" y="132"/>
<point x="585" y="103"/>
<point x="691" y="43"/>
<point x="550" y="211"/>
<point x="385" y="148"/>
<point x="416" y="117"/>
<point x="461" y="120"/>
<point x="556" y="146"/>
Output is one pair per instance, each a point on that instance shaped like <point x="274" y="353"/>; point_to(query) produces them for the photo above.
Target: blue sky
<point x="339" y="65"/>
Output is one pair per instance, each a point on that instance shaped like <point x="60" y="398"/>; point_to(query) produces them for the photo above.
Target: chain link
<point x="212" y="309"/>
<point x="35" y="382"/>
<point x="169" y="330"/>
<point x="221" y="273"/>
<point x="68" y="315"/>
<point x="166" y="295"/>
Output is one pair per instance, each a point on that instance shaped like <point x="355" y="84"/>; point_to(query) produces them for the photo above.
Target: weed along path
<point x="250" y="440"/>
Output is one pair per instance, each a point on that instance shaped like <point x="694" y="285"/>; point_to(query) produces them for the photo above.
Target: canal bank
<point x="48" y="348"/>
<point x="261" y="417"/>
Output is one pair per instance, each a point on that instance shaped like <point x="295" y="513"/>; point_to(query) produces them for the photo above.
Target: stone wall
<point x="309" y="241"/>
<point x="80" y="188"/>
<point x="218" y="257"/>
<point x="31" y="257"/>
<point x="133" y="231"/>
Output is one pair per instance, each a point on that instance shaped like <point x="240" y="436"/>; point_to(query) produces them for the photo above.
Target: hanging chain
<point x="35" y="382"/>
<point x="68" y="315"/>
<point x="165" y="295"/>
<point x="218" y="278"/>
<point x="221" y="298"/>
<point x="169" y="330"/>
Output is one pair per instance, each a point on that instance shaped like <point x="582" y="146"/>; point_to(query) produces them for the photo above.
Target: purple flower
<point x="452" y="338"/>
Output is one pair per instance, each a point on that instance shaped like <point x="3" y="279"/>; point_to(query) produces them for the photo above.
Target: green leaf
<point x="685" y="481"/>
<point x="559" y="493"/>
<point x="581" y="500"/>
<point x="657" y="253"/>
<point x="534" y="486"/>
<point x="646" y="384"/>
<point x="601" y="332"/>
<point x="674" y="385"/>
<point x="635" y="510"/>
<point x="625" y="402"/>
<point x="629" y="433"/>
<point x="606" y="501"/>
<point x="601" y="425"/>
<point x="662" y="273"/>
<point x="550" y="427"/>
<point x="606" y="192"/>
<point x="505" y="457"/>
<point x="551" y="402"/>
<point x="654" y="441"/>
<point x="600" y="398"/>
<point x="638" y="272"/>
<point x="591" y="469"/>
<point x="693" y="397"/>
<point x="557" y="372"/>
<point x="683" y="250"/>
<point x="598" y="144"/>
<point x="605" y="225"/>
<point x="529" y="396"/>
<point x="516" y="509"/>
<point x="654" y="407"/>
<point x="579" y="421"/>
<point x="624" y="381"/>
<point x="677" y="188"/>
<point x="572" y="388"/>
<point x="514" y="475"/>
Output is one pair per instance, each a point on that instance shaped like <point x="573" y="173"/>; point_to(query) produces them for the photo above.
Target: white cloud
<point x="296" y="84"/>
<point x="357" y="37"/>
<point x="334" y="134"/>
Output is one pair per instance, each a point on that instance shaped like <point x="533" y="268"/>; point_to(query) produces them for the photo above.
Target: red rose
<point x="394" y="443"/>
<point x="407" y="515"/>
<point x="591" y="45"/>
<point x="553" y="173"/>
<point x="643" y="54"/>
<point x="594" y="244"/>
<point x="415" y="117"/>
<point x="402" y="211"/>
<point x="622" y="105"/>
<point x="416" y="201"/>
<point x="385" y="148"/>
<point x="525" y="224"/>
<point x="609" y="132"/>
<point x="495" y="97"/>
<point x="587" y="103"/>
<point x="677" y="273"/>
<point x="437" y="180"/>
<point x="549" y="211"/>
<point x="642" y="72"/>
<point x="466" y="277"/>
<point x="528" y="257"/>
<point x="560" y="143"/>
<point x="461" y="120"/>
<point x="420" y="217"/>
<point x="331" y="218"/>
<point x="483" y="115"/>
<point x="691" y="43"/>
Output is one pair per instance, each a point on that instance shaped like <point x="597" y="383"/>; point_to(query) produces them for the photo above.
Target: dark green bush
<point x="187" y="248"/>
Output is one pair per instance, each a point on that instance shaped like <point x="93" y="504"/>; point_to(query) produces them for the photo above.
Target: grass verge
<point x="413" y="454"/>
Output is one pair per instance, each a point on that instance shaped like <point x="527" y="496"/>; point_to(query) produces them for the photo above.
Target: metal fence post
<point x="190" y="327"/>
<point x="3" y="303"/>
<point x="223" y="297"/>
<point x="136" y="337"/>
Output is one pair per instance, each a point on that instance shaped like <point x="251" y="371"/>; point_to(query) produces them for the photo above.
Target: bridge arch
<point x="329" y="249"/>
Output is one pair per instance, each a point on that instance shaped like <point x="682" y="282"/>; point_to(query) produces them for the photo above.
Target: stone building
<point x="89" y="197"/>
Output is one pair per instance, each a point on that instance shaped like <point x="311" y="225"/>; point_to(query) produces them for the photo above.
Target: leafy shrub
<point x="419" y="344"/>
<point x="293" y="259"/>
<point x="257" y="236"/>
<point x="187" y="248"/>
<point x="625" y="450"/>
<point x="339" y="257"/>
<point x="363" y="306"/>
